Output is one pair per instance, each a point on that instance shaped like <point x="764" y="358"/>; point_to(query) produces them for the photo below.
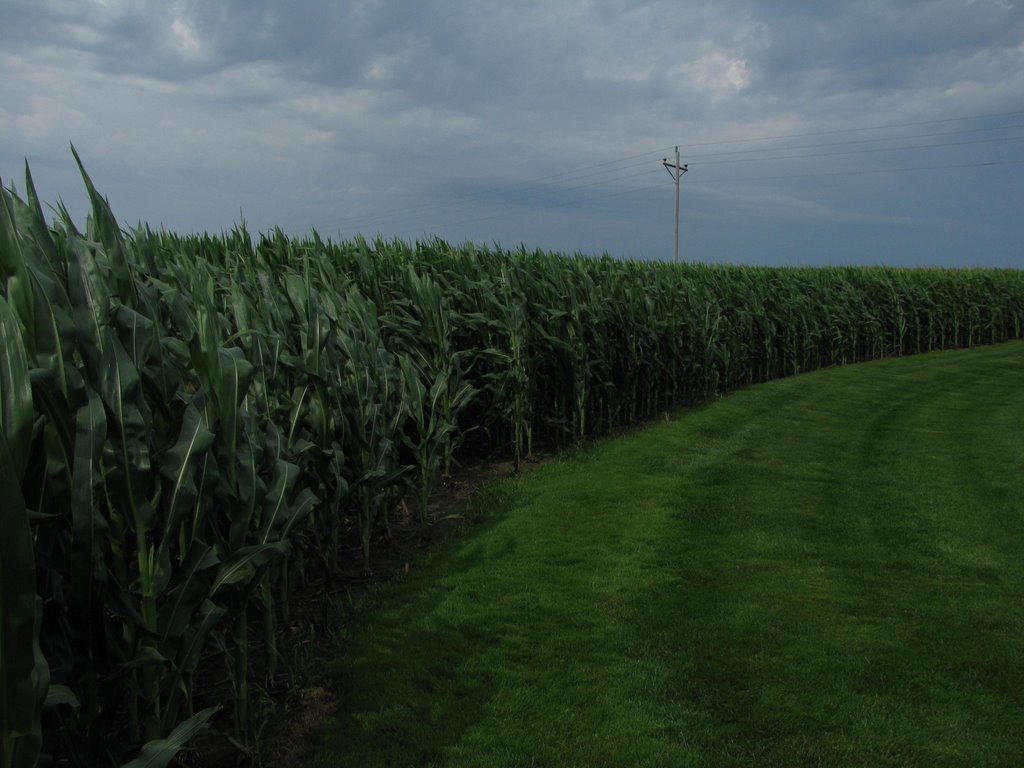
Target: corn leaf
<point x="243" y="567"/>
<point x="88" y="525"/>
<point x="90" y="302"/>
<point x="179" y="466"/>
<point x="16" y="411"/>
<point x="188" y="589"/>
<point x="159" y="752"/>
<point x="119" y="389"/>
<point x="285" y="475"/>
<point x="109" y="234"/>
<point x="190" y="649"/>
<point x="54" y="332"/>
<point x="14" y="278"/>
<point x="30" y="219"/>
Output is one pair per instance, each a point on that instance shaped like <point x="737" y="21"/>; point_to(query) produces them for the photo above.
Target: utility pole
<point x="676" y="172"/>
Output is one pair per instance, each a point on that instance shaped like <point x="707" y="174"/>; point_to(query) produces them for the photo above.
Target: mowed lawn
<point x="822" y="571"/>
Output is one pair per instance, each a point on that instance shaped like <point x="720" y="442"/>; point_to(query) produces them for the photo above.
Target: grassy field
<point x="823" y="570"/>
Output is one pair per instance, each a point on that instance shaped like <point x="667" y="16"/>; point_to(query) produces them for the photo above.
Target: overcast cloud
<point x="900" y="124"/>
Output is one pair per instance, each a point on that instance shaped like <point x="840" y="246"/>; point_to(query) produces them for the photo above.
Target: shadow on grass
<point x="408" y="683"/>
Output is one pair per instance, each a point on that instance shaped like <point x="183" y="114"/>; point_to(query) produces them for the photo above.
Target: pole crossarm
<point x="675" y="171"/>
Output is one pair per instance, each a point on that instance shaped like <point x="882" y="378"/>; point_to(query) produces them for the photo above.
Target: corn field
<point x="188" y="422"/>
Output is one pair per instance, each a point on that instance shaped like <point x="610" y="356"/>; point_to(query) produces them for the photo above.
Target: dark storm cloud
<point x="882" y="45"/>
<point x="342" y="115"/>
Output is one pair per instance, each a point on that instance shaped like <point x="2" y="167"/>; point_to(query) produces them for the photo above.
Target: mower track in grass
<point x="826" y="570"/>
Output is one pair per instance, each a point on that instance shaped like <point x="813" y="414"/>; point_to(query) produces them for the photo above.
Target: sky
<point x="822" y="132"/>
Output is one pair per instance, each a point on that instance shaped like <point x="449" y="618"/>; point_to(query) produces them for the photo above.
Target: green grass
<point x="824" y="571"/>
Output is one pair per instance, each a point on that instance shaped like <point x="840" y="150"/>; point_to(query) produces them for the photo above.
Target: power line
<point x="805" y="135"/>
<point x="525" y="209"/>
<point x="428" y="209"/>
<point x="698" y="161"/>
<point x="858" y="141"/>
<point x="648" y="154"/>
<point x="613" y="174"/>
<point x="854" y="130"/>
<point x="862" y="172"/>
<point x="651" y="188"/>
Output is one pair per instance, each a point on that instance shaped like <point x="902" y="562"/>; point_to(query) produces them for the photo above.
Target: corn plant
<point x="432" y="412"/>
<point x="374" y="406"/>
